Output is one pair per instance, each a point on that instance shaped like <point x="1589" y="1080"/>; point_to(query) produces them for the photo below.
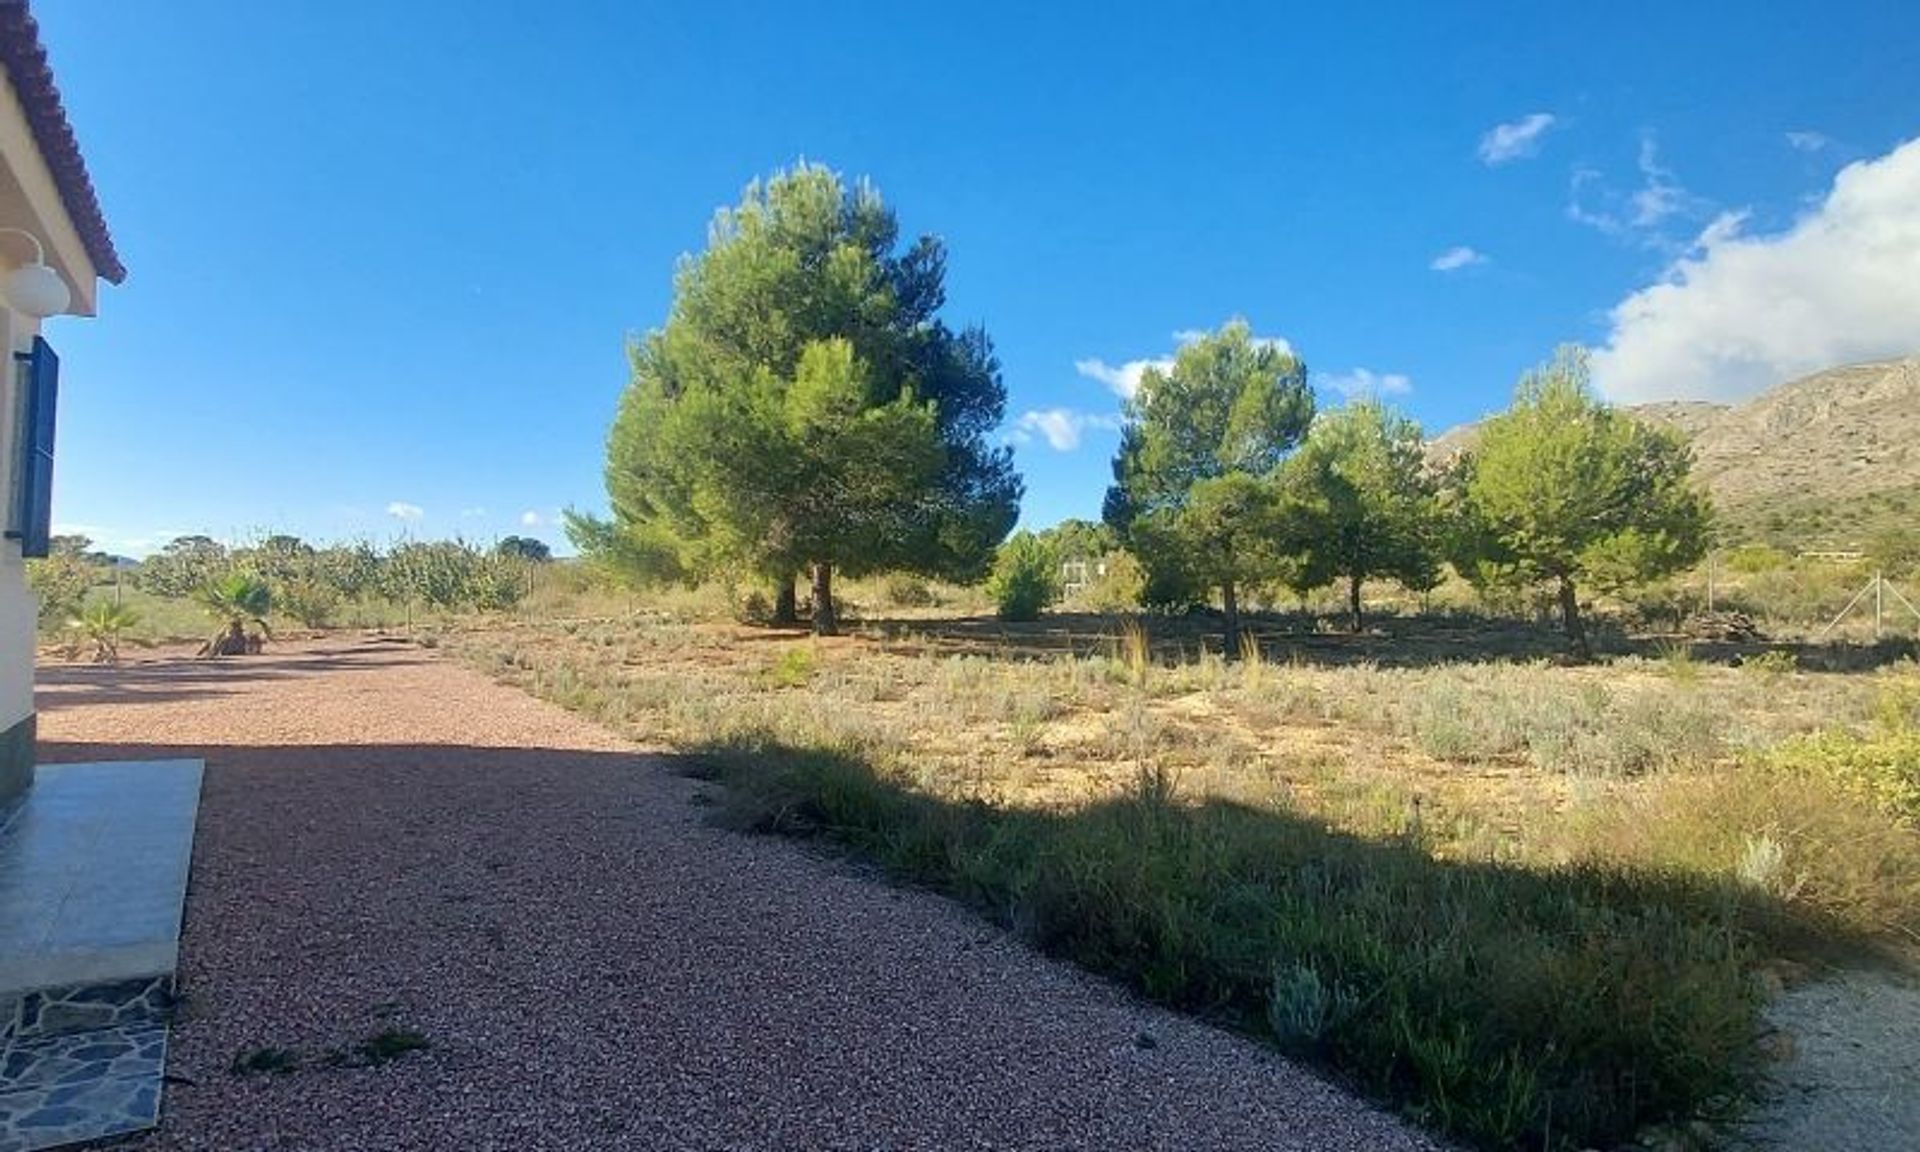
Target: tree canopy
<point x="1561" y="489"/>
<point x="1194" y="492"/>
<point x="1360" y="504"/>
<point x="804" y="407"/>
<point x="524" y="548"/>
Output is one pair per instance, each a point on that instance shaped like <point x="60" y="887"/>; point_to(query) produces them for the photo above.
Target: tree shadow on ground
<point x="1413" y="641"/>
<point x="1510" y="1006"/>
<point x="168" y="680"/>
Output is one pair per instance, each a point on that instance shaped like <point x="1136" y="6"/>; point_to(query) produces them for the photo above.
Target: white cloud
<point x="530" y="519"/>
<point x="472" y="513"/>
<point x="1736" y="313"/>
<point x="1060" y="427"/>
<point x="1660" y="195"/>
<point x="1124" y="379"/>
<point x="1457" y="257"/>
<point x="1364" y="384"/>
<point x="1504" y="143"/>
<point x="401" y="510"/>
<point x="1808" y="141"/>
<point x="1637" y="215"/>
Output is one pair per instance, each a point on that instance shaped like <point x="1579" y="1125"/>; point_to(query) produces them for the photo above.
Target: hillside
<point x="1822" y="462"/>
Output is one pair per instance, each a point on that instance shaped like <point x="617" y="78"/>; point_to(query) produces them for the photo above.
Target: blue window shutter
<point x="33" y="503"/>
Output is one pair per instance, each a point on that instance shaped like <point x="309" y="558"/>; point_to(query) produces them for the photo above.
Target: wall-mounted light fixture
<point x="35" y="289"/>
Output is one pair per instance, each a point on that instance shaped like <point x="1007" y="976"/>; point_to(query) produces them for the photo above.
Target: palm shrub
<point x="237" y="602"/>
<point x="1025" y="580"/>
<point x="104" y="623"/>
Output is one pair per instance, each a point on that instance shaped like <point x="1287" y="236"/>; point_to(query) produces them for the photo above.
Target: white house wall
<point x="17" y="607"/>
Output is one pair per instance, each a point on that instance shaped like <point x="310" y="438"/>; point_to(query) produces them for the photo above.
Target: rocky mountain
<point x="1823" y="462"/>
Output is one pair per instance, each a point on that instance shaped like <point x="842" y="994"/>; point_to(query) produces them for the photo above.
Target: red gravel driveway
<point x="388" y="839"/>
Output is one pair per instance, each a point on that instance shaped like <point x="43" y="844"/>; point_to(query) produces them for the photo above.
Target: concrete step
<point x="93" y="876"/>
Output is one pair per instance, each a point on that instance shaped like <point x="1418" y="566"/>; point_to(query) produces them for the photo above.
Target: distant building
<point x="1076" y="576"/>
<point x="54" y="249"/>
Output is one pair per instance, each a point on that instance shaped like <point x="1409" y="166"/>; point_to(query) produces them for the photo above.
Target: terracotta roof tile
<point x="26" y="63"/>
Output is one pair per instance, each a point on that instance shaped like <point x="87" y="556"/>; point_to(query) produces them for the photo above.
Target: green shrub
<point x="1753" y="559"/>
<point x="1880" y="770"/>
<point x="1119" y="588"/>
<point x="60" y="583"/>
<point x="904" y="590"/>
<point x="1025" y="580"/>
<point x="309" y="601"/>
<point x="792" y="668"/>
<point x="1772" y="665"/>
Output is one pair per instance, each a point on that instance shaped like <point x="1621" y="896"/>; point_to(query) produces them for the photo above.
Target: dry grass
<point x="1498" y="761"/>
<point x="1699" y="816"/>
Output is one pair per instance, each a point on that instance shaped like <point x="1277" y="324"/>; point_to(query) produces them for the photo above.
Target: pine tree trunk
<point x="826" y="622"/>
<point x="1570" y="617"/>
<point x="1230" y="605"/>
<point x="1353" y="604"/>
<point x="786" y="601"/>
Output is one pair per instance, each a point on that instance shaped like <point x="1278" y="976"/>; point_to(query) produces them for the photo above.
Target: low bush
<point x="59" y="584"/>
<point x="792" y="668"/>
<point x="1118" y="587"/>
<point x="1831" y="874"/>
<point x="1490" y="713"/>
<point x="1025" y="580"/>
<point x="1881" y="770"/>
<point x="908" y="591"/>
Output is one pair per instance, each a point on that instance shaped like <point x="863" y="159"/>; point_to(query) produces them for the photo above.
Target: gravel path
<point x="1852" y="1079"/>
<point x="388" y="838"/>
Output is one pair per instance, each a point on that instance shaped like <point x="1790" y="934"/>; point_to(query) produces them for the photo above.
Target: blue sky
<point x="384" y="257"/>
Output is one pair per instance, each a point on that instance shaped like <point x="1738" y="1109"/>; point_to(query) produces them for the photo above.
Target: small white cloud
<point x="472" y="513"/>
<point x="1808" y="141"/>
<point x="1362" y="383"/>
<point x="530" y="519"/>
<point x="1638" y="215"/>
<point x="1659" y="195"/>
<point x="1124" y="379"/>
<point x="1504" y="143"/>
<point x="1738" y="313"/>
<point x="1724" y="227"/>
<point x="401" y="510"/>
<point x="1457" y="257"/>
<point x="1060" y="427"/>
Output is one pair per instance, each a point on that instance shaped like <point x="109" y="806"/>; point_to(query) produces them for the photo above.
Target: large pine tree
<point x="804" y="408"/>
<point x="1195" y="492"/>
<point x="1562" y="490"/>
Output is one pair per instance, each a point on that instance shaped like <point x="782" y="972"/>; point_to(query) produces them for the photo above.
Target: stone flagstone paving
<point x="81" y="1086"/>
